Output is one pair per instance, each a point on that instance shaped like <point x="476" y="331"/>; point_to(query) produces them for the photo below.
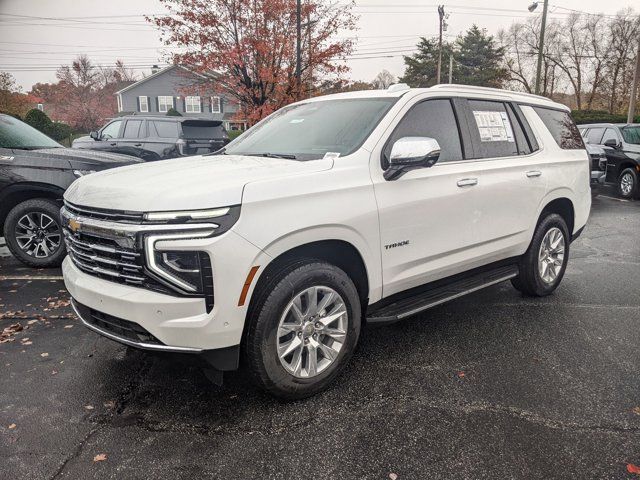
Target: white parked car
<point x="331" y="214"/>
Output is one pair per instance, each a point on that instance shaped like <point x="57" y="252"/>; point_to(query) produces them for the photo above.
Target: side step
<point x="442" y="293"/>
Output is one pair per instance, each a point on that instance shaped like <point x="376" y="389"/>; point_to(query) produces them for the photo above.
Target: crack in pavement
<point x="76" y="453"/>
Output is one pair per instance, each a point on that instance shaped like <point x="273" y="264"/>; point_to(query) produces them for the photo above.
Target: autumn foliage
<point x="250" y="46"/>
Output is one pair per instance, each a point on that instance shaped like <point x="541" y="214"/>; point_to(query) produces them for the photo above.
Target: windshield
<point x="19" y="135"/>
<point x="631" y="134"/>
<point x="309" y="131"/>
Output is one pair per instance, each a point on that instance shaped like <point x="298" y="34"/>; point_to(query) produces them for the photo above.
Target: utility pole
<point x="298" y="47"/>
<point x="441" y="15"/>
<point x="543" y="26"/>
<point x="634" y="89"/>
<point x="450" y="68"/>
<point x="310" y="52"/>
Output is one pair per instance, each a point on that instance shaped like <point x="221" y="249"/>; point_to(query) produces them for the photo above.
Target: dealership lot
<point x="489" y="386"/>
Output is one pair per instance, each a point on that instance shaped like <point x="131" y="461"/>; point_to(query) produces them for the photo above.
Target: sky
<point x="32" y="48"/>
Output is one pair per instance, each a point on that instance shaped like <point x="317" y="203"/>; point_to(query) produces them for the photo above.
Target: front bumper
<point x="597" y="177"/>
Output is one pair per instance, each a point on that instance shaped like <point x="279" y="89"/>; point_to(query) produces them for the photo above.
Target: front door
<point x="427" y="216"/>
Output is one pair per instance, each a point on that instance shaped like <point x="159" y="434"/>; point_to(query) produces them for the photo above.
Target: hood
<point x="84" y="159"/>
<point x="183" y="183"/>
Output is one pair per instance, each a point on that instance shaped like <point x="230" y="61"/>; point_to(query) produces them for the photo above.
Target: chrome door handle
<point x="534" y="173"/>
<point x="467" y="182"/>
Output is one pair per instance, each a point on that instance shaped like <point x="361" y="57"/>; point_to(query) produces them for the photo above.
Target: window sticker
<point x="494" y="126"/>
<point x="331" y="155"/>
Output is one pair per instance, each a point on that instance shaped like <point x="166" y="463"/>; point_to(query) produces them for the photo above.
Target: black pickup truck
<point x="34" y="173"/>
<point x="156" y="138"/>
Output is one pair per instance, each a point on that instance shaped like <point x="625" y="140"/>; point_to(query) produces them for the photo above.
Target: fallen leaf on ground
<point x="101" y="457"/>
<point x="53" y="372"/>
<point x="27" y="343"/>
<point x="636" y="410"/>
<point x="68" y="326"/>
<point x="110" y="404"/>
<point x="31" y="322"/>
<point x="89" y="407"/>
<point x="631" y="468"/>
<point x="8" y="332"/>
<point x="12" y="426"/>
<point x="45" y="354"/>
<point x="460" y="374"/>
<point x="393" y="476"/>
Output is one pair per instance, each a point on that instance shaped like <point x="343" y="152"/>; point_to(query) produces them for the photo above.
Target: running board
<point x="424" y="300"/>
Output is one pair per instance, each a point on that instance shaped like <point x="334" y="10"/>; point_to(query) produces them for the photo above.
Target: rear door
<point x="161" y="141"/>
<point x="615" y="156"/>
<point x="511" y="177"/>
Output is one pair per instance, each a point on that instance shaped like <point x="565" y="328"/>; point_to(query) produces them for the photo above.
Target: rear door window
<point x="434" y="119"/>
<point x="595" y="135"/>
<point x="158" y="128"/>
<point x="494" y="131"/>
<point x="562" y="128"/>
<point x="133" y="129"/>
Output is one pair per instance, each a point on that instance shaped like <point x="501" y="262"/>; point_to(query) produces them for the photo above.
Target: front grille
<point x="104" y="214"/>
<point x="117" y="326"/>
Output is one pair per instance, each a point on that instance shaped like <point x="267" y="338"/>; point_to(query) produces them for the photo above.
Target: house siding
<point x="174" y="82"/>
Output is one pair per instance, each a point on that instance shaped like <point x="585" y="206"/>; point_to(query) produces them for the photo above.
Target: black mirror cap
<point x="611" y="143"/>
<point x="395" y="171"/>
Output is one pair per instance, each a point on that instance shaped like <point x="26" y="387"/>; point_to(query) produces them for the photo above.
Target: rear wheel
<point x="545" y="261"/>
<point x="33" y="233"/>
<point x="304" y="329"/>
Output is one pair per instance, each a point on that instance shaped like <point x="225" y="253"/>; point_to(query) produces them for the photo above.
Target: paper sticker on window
<point x="331" y="155"/>
<point x="494" y="126"/>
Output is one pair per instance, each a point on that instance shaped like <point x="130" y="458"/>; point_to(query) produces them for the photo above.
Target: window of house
<point x="143" y="103"/>
<point x="119" y="103"/>
<point x="561" y="127"/>
<point x="165" y="103"/>
<point x="158" y="128"/>
<point x="431" y="118"/>
<point x="192" y="105"/>
<point x="215" y="105"/>
<point x="132" y="129"/>
<point x="41" y="107"/>
<point x="112" y="130"/>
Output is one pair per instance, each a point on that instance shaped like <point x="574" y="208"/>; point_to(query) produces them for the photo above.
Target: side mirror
<point x="410" y="153"/>
<point x="611" y="143"/>
<point x="95" y="135"/>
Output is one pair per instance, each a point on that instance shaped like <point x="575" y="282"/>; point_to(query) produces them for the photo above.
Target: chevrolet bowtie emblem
<point x="74" y="225"/>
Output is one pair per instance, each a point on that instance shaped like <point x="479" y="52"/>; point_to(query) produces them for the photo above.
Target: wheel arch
<point x="20" y="192"/>
<point x="563" y="206"/>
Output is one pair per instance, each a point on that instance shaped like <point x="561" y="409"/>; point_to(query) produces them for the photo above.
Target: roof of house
<point x="157" y="74"/>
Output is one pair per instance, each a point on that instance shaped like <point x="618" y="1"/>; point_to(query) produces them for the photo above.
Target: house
<point x="186" y="91"/>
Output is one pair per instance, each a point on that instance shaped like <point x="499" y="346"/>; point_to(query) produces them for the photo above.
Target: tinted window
<point x="595" y="135"/>
<point x="112" y="130"/>
<point x="492" y="130"/>
<point x="524" y="146"/>
<point x="561" y="127"/>
<point x="631" y="134"/>
<point x="610" y="134"/>
<point x="163" y="129"/>
<point x="203" y="130"/>
<point x="17" y="134"/>
<point x="132" y="129"/>
<point x="431" y="118"/>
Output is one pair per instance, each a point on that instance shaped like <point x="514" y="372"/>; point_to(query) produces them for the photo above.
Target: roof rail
<point x="452" y="86"/>
<point x="398" y="87"/>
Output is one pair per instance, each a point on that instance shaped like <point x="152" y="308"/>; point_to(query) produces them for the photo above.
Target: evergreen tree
<point x="478" y="61"/>
<point x="422" y="67"/>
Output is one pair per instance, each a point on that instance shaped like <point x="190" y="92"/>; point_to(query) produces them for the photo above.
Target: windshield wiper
<point x="222" y="151"/>
<point x="276" y="155"/>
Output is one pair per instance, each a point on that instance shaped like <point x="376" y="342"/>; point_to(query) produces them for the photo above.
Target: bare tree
<point x="383" y="80"/>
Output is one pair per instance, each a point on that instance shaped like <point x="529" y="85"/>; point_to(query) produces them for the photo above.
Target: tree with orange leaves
<point x="250" y="46"/>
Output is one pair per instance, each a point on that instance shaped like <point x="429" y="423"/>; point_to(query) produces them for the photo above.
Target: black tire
<point x="529" y="280"/>
<point x="632" y="176"/>
<point x="260" y="347"/>
<point x="34" y="206"/>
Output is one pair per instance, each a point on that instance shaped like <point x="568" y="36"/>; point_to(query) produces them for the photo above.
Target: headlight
<point x="82" y="173"/>
<point x="181" y="268"/>
<point x="185" y="215"/>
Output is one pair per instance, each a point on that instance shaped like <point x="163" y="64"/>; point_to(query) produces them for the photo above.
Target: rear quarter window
<point x="562" y="128"/>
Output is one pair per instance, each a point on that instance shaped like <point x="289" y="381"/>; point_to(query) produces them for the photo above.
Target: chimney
<point x="155" y="69"/>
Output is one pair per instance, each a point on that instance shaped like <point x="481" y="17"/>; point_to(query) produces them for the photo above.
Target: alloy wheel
<point x="551" y="255"/>
<point x="626" y="184"/>
<point x="312" y="331"/>
<point x="38" y="235"/>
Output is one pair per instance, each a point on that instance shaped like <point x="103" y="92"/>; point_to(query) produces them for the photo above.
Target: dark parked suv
<point x="621" y="144"/>
<point x="34" y="173"/>
<point x="157" y="138"/>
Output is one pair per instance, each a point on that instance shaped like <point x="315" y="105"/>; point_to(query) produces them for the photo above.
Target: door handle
<point x="137" y="144"/>
<point x="467" y="182"/>
<point x="534" y="173"/>
<point x="113" y="144"/>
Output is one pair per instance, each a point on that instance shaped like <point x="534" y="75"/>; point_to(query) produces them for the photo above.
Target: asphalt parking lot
<point x="493" y="385"/>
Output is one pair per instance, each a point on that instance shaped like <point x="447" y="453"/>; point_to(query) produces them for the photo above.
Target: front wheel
<point x="628" y="183"/>
<point x="545" y="261"/>
<point x="33" y="233"/>
<point x="304" y="329"/>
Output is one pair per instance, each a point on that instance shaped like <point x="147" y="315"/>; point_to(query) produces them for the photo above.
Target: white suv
<point x="331" y="214"/>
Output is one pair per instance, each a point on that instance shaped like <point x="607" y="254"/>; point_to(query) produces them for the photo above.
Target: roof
<point x="451" y="89"/>
<point x="170" y="118"/>
<point x="157" y="74"/>
<point x="620" y="125"/>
